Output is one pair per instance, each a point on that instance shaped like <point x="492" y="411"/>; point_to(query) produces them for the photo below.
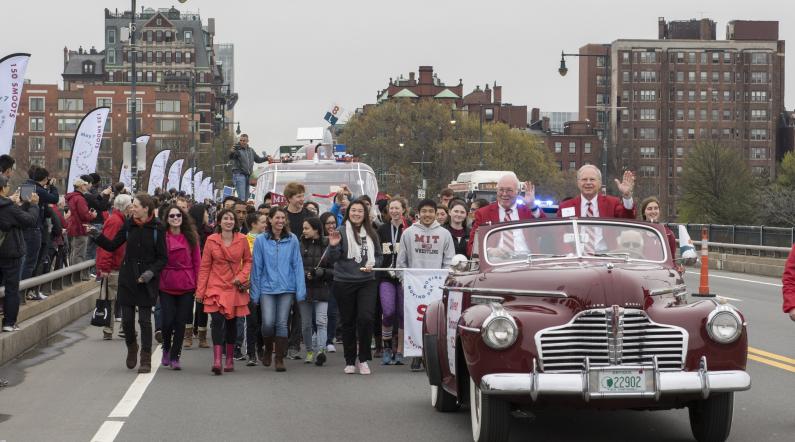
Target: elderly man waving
<point x="590" y="204"/>
<point x="506" y="209"/>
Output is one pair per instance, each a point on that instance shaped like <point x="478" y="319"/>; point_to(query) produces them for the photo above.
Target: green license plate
<point x="622" y="381"/>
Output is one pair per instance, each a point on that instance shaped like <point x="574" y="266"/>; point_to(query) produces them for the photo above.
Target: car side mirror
<point x="459" y="263"/>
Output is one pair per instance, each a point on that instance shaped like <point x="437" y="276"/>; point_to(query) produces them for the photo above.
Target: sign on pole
<point x="12" y="78"/>
<point x="85" y="147"/>
<point x="157" y="171"/>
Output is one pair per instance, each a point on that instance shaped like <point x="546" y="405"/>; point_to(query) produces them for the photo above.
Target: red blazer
<point x="491" y="215"/>
<point x="111" y="261"/>
<point x="788" y="282"/>
<point x="609" y="207"/>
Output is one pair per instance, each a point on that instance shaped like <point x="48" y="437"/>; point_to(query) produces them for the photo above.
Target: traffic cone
<point x="703" y="287"/>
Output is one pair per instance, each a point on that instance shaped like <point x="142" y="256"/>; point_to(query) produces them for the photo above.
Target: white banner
<point x="125" y="176"/>
<point x="85" y="147"/>
<point x="173" y="175"/>
<point x="206" y="190"/>
<point x="158" y="171"/>
<point x="197" y="184"/>
<point x="12" y="78"/>
<point x="141" y="141"/>
<point x="186" y="181"/>
<point x="454" y="302"/>
<point x="420" y="288"/>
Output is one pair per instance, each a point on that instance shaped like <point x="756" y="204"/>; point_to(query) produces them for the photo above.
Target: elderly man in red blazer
<point x="590" y="203"/>
<point x="506" y="209"/>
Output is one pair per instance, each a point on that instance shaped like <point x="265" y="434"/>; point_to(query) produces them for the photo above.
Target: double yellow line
<point x="771" y="359"/>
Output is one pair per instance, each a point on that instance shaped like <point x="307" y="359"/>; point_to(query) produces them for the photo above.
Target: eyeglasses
<point x="504" y="190"/>
<point x="631" y="245"/>
<point x="175" y="215"/>
<point x="331" y="224"/>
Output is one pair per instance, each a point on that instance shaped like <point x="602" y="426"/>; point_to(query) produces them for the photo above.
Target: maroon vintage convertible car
<point x="586" y="313"/>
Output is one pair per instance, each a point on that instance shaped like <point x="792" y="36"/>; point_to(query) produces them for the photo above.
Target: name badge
<point x="567" y="212"/>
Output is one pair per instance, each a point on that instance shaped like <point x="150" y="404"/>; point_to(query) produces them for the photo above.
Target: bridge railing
<point x="747" y="235"/>
<point x="53" y="281"/>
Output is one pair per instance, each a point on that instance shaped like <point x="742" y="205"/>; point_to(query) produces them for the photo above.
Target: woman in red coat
<point x="178" y="282"/>
<point x="223" y="285"/>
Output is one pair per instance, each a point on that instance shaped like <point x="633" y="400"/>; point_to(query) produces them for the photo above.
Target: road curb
<point x="36" y="329"/>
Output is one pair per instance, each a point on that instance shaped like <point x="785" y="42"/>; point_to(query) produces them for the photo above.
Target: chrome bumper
<point x="537" y="384"/>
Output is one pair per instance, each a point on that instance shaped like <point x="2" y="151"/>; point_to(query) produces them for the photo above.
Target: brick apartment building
<point x="485" y="103"/>
<point x="48" y="119"/>
<point x="659" y="98"/>
<point x="575" y="145"/>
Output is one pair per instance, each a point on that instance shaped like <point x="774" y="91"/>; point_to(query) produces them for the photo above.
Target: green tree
<point x="396" y="136"/>
<point x="717" y="186"/>
<point x="786" y="170"/>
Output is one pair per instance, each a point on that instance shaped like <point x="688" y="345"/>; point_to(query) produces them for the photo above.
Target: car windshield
<point x="574" y="239"/>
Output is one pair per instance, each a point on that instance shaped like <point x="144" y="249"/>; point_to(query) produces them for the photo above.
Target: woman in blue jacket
<point x="277" y="275"/>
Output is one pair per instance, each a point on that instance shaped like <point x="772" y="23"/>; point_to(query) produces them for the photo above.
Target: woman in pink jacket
<point x="178" y="282"/>
<point x="223" y="285"/>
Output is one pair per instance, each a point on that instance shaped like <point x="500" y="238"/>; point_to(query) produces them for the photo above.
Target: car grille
<point x="611" y="336"/>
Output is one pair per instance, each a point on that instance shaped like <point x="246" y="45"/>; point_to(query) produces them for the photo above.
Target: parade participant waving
<point x="223" y="285"/>
<point x="390" y="290"/>
<point x="425" y="245"/>
<point x="276" y="278"/>
<point x="144" y="259"/>
<point x="178" y="282"/>
<point x="318" y="275"/>
<point x="353" y="251"/>
<point x="590" y="203"/>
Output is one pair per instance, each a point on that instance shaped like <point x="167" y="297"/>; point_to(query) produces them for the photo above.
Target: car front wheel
<point x="711" y="418"/>
<point x="442" y="400"/>
<point x="490" y="416"/>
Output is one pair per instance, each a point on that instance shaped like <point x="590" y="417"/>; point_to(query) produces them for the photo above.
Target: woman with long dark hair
<point x="222" y="286"/>
<point x="178" y="282"/>
<point x="314" y="309"/>
<point x="390" y="290"/>
<point x="650" y="211"/>
<point x="329" y="222"/>
<point x="201" y="219"/>
<point x="457" y="225"/>
<point x="276" y="278"/>
<point x="144" y="258"/>
<point x="354" y="252"/>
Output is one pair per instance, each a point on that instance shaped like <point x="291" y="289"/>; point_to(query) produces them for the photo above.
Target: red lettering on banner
<point x="421" y="311"/>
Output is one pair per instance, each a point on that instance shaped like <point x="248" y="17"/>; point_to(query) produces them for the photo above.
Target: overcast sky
<point x="293" y="59"/>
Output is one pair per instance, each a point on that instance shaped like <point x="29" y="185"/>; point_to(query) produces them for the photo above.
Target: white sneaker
<point x="364" y="368"/>
<point x="331" y="348"/>
<point x="10" y="328"/>
<point x="349" y="369"/>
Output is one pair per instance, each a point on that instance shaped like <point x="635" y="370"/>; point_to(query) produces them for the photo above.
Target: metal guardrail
<point x="54" y="280"/>
<point x="746" y="249"/>
<point x="749" y="235"/>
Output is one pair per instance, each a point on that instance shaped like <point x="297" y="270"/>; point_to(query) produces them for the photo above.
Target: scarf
<point x="140" y="223"/>
<point x="355" y="251"/>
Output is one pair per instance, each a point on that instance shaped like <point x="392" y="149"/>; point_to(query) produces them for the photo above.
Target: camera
<point x="237" y="146"/>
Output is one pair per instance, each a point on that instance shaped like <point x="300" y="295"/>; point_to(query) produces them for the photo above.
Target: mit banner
<point x="420" y="288"/>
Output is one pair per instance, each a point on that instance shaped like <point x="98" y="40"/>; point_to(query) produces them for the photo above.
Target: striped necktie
<point x="507" y="237"/>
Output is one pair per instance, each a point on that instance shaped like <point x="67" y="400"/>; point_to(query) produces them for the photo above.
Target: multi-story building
<point x="573" y="146"/>
<point x="48" y="118"/>
<point x="486" y="103"/>
<point x="658" y="98"/>
<point x="557" y="120"/>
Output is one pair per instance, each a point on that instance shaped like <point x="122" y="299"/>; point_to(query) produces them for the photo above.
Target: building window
<point x="36" y="124"/>
<point x="715" y="58"/>
<point x="159" y="35"/>
<point x="703" y="57"/>
<point x="138" y="105"/>
<point x="726" y="133"/>
<point x="111" y="56"/>
<point x="166" y="143"/>
<point x="65" y="143"/>
<point x="167" y="126"/>
<point x="111" y="36"/>
<point x="108" y="127"/>
<point x="70" y="104"/>
<point x="648" y="114"/>
<point x="647" y="171"/>
<point x="600" y="61"/>
<point x="703" y="76"/>
<point x="187" y="57"/>
<point x="105" y="102"/>
<point x="727" y="77"/>
<point x="586" y="147"/>
<point x="137" y="125"/>
<point x="758" y="153"/>
<point x="167" y="106"/>
<point x="680" y="133"/>
<point x="178" y="57"/>
<point x="648" y="152"/>
<point x="680" y="152"/>
<point x="647" y="133"/>
<point x="625" y="77"/>
<point x="691" y="57"/>
<point x="188" y="36"/>
<point x="691" y="134"/>
<point x="702" y="115"/>
<point x="680" y="76"/>
<point x="691" y="114"/>
<point x="758" y="58"/>
<point x="646" y="95"/>
<point x="648" y="76"/>
<point x="759" y="115"/>
<point x="680" y="115"/>
<point x="625" y="57"/>
<point x="36" y="104"/>
<point x="36" y="144"/>
<point x="759" y="134"/>
<point x="759" y="171"/>
<point x="691" y="76"/>
<point x="648" y="57"/>
<point x="758" y="77"/>
<point x="37" y="160"/>
<point x="167" y="57"/>
<point x="68" y="124"/>
<point x="63" y="164"/>
<point x="150" y="76"/>
<point x="759" y="96"/>
<point x="572" y="165"/>
<point x="680" y="57"/>
<point x="104" y="163"/>
<point x="558" y="147"/>
<point x="702" y="95"/>
<point x="169" y="36"/>
<point x="572" y="147"/>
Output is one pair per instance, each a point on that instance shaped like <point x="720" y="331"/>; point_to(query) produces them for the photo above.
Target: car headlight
<point x="724" y="324"/>
<point x="499" y="330"/>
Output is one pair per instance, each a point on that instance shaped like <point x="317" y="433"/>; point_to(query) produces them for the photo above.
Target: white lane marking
<point x="136" y="391"/>
<point x="730" y="299"/>
<point x="108" y="431"/>
<point x="739" y="279"/>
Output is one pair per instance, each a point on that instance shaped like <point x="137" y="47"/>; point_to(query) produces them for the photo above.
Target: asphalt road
<point x="66" y="389"/>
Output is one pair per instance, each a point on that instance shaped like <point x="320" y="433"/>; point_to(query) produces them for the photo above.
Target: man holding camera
<point x="43" y="186"/>
<point x="243" y="158"/>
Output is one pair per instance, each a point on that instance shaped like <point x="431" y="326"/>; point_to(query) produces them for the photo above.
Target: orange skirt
<point x="231" y="304"/>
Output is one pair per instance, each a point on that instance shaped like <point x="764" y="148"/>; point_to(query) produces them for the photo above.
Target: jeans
<point x="32" y="246"/>
<point x="391" y="294"/>
<point x="9" y="273"/>
<point x="253" y="326"/>
<point x="319" y="309"/>
<point x="223" y="330"/>
<point x="175" y="311"/>
<point x="275" y="310"/>
<point x="294" y="327"/>
<point x="144" y="321"/>
<point x="158" y="316"/>
<point x="240" y="182"/>
<point x="357" y="308"/>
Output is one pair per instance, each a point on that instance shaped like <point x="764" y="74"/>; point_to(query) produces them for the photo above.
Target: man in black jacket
<point x="100" y="202"/>
<point x="47" y="194"/>
<point x="15" y="215"/>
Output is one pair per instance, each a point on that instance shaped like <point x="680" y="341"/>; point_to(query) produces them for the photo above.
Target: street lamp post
<point x="133" y="80"/>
